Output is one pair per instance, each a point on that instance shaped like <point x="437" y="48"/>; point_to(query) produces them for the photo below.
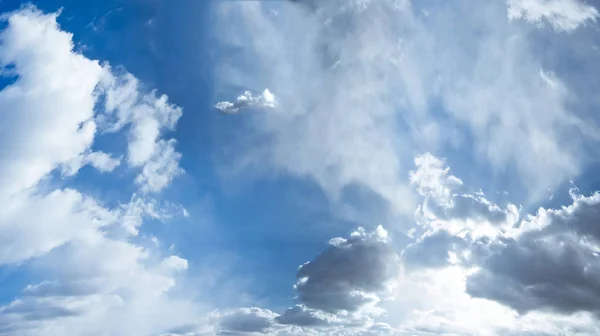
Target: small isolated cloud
<point x="247" y="100"/>
<point x="562" y="15"/>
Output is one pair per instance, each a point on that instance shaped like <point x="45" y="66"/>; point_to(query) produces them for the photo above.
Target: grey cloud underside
<point x="345" y="275"/>
<point x="547" y="262"/>
<point x="555" y="267"/>
<point x="333" y="290"/>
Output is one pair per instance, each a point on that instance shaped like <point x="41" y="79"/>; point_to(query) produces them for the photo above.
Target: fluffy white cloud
<point x="265" y="100"/>
<point x="149" y="117"/>
<point x="48" y="114"/>
<point x="565" y="15"/>
<point x="98" y="281"/>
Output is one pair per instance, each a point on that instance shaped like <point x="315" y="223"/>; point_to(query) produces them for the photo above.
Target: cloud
<point x="333" y="125"/>
<point x="265" y="100"/>
<point x="542" y="266"/>
<point x="299" y="315"/>
<point x="562" y="15"/>
<point x="149" y="116"/>
<point x="357" y="101"/>
<point x="350" y="274"/>
<point x="444" y="208"/>
<point x="93" y="278"/>
<point x="52" y="101"/>
<point x="338" y="292"/>
<point x="246" y="321"/>
<point x="550" y="265"/>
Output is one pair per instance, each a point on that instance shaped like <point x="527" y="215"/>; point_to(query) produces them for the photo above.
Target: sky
<point x="299" y="167"/>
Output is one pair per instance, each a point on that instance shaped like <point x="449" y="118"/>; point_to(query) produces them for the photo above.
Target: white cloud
<point x="149" y="117"/>
<point x="98" y="281"/>
<point x="563" y="15"/>
<point x="99" y="160"/>
<point x="265" y="100"/>
<point x="447" y="209"/>
<point x="48" y="114"/>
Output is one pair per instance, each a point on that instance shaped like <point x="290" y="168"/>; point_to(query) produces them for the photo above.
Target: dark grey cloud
<point x="246" y="321"/>
<point x="554" y="265"/>
<point x="349" y="274"/>
<point x="301" y="316"/>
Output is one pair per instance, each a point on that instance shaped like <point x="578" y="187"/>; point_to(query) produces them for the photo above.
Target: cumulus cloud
<point x="552" y="264"/>
<point x="349" y="275"/>
<point x="52" y="101"/>
<point x="543" y="266"/>
<point x="562" y="15"/>
<point x="338" y="292"/>
<point x="246" y="100"/>
<point x="97" y="281"/>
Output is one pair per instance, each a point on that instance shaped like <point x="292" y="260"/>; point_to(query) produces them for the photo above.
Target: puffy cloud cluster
<point x="540" y="269"/>
<point x="552" y="264"/>
<point x="93" y="279"/>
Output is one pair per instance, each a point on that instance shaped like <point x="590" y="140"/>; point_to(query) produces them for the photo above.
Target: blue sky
<point x="351" y="167"/>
